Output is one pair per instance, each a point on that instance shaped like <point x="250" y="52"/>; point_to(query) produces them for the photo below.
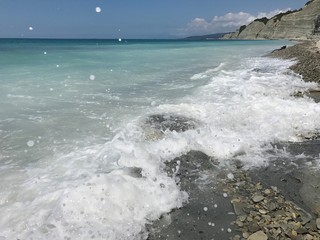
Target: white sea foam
<point x="243" y="111"/>
<point x="207" y="73"/>
<point x="75" y="199"/>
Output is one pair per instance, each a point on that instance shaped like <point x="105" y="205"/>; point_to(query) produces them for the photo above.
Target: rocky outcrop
<point x="298" y="24"/>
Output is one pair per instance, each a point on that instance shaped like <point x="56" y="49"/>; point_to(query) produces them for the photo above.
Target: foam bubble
<point x="92" y="77"/>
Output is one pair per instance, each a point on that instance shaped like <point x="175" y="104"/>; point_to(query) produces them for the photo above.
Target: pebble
<point x="239" y="223"/>
<point x="308" y="237"/>
<point x="267" y="191"/>
<point x="258" y="236"/>
<point x="257" y="198"/>
<point x="262" y="211"/>
<point x="245" y="234"/>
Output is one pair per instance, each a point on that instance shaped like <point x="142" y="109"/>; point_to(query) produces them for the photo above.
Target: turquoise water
<point x="72" y="125"/>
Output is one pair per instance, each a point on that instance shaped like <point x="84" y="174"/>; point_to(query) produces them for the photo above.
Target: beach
<point x="279" y="200"/>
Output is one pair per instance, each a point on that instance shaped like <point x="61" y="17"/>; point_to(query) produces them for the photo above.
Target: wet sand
<point x="280" y="200"/>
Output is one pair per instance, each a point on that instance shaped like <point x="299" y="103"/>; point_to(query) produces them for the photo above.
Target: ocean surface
<point x="80" y="157"/>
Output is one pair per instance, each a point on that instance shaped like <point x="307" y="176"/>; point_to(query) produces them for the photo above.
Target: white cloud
<point x="226" y="23"/>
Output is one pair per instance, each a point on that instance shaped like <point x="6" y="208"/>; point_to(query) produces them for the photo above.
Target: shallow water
<point x="79" y="158"/>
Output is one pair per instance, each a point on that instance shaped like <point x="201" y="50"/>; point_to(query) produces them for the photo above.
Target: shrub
<point x="263" y="20"/>
<point x="243" y="27"/>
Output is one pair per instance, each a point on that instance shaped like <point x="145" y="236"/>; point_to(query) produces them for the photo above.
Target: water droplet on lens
<point x="30" y="143"/>
<point x="92" y="77"/>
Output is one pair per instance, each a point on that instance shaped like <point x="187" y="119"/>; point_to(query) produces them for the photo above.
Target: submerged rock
<point x="171" y="122"/>
<point x="157" y="124"/>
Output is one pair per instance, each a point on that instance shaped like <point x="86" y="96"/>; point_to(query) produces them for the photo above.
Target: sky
<point x="131" y="18"/>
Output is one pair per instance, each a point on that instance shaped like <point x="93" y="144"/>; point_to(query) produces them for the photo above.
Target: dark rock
<point x="279" y="49"/>
<point x="253" y="227"/>
<point x="171" y="122"/>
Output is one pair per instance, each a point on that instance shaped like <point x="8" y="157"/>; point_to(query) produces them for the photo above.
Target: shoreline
<point x="278" y="201"/>
<point x="307" y="54"/>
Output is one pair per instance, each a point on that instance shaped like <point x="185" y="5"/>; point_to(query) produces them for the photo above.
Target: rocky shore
<point x="278" y="201"/>
<point x="307" y="57"/>
<point x="307" y="54"/>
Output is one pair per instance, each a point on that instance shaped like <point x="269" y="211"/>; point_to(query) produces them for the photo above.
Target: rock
<point x="238" y="207"/>
<point x="262" y="211"/>
<point x="257" y="198"/>
<point x="267" y="191"/>
<point x="308" y="237"/>
<point x="171" y="122"/>
<point x="272" y="206"/>
<point x="318" y="223"/>
<point x="258" y="236"/>
<point x="245" y="235"/>
<point x="253" y="227"/>
<point x="302" y="231"/>
<point x="283" y="47"/>
<point x="242" y="218"/>
<point x="236" y="237"/>
<point x="239" y="223"/>
<point x="305" y="216"/>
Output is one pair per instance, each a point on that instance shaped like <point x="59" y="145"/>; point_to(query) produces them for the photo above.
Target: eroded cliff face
<point x="299" y="24"/>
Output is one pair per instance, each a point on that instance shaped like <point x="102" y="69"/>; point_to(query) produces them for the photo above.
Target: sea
<point x="85" y="126"/>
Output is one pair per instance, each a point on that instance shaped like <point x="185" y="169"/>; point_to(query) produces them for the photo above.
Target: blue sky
<point x="131" y="18"/>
